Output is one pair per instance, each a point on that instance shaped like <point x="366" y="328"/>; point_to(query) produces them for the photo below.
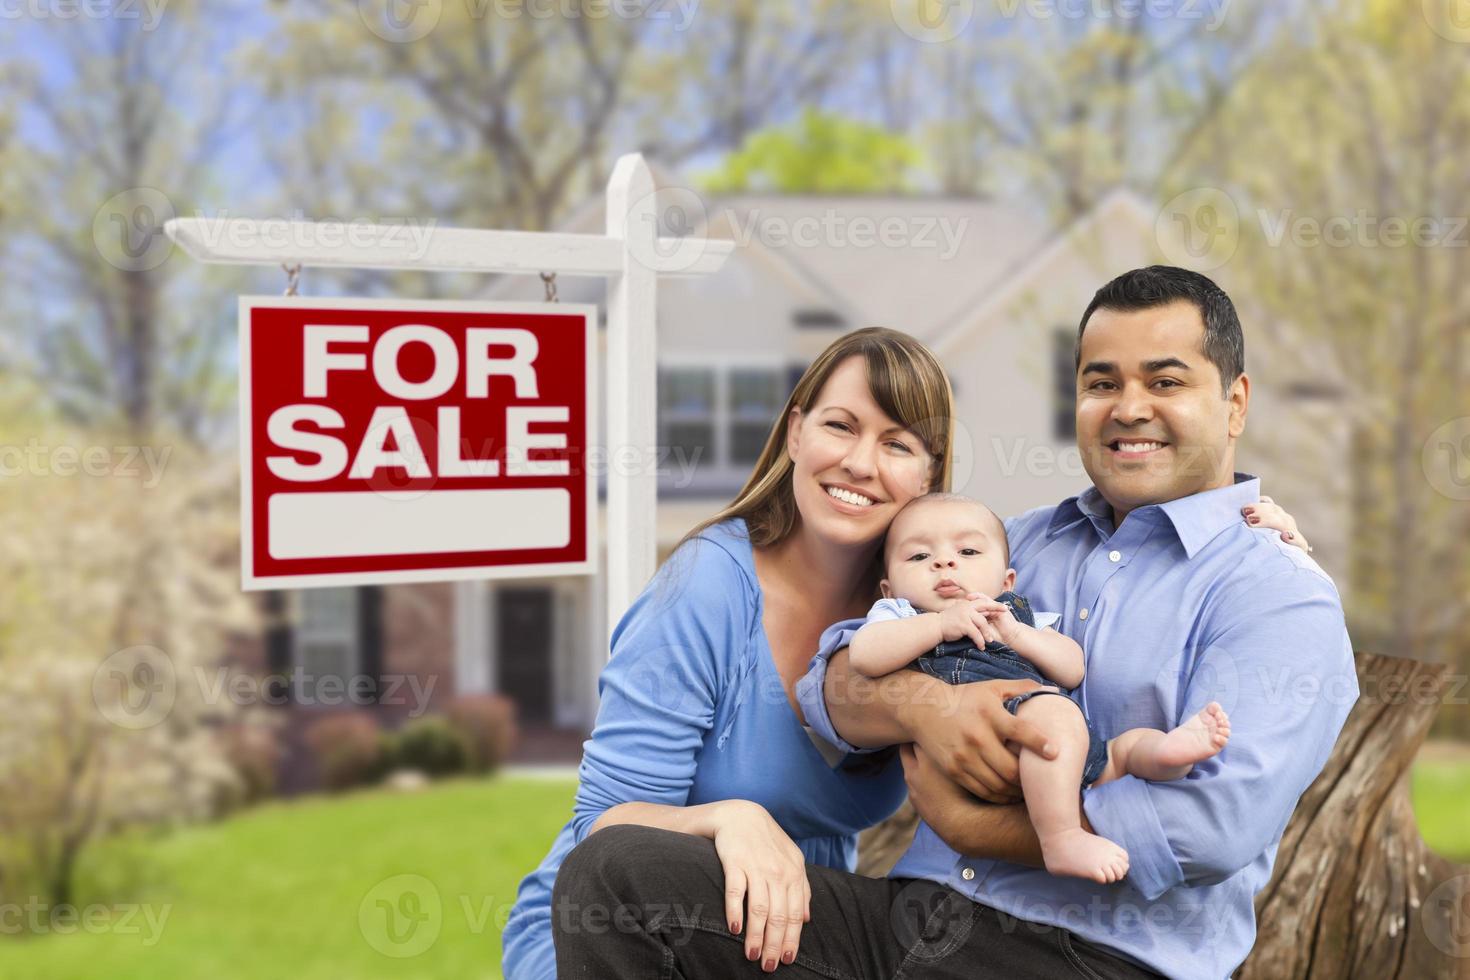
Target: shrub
<point x="254" y="752"/>
<point x="487" y="723"/>
<point x="431" y="745"/>
<point x="347" y="749"/>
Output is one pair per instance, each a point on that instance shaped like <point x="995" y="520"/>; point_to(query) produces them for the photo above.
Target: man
<point x="1176" y="603"/>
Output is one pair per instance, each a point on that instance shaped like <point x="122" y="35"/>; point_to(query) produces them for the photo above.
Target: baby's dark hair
<point x="946" y="497"/>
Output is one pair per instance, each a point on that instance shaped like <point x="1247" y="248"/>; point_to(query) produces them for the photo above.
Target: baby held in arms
<point x="942" y="550"/>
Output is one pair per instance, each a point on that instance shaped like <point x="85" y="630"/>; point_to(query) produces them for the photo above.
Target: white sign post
<point x="630" y="256"/>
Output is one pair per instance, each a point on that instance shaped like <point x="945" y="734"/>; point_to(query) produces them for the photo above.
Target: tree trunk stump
<point x="1355" y="894"/>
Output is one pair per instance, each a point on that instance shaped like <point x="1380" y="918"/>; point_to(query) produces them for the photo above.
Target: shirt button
<point x="1115" y="556"/>
<point x="1082" y="614"/>
<point x="968" y="874"/>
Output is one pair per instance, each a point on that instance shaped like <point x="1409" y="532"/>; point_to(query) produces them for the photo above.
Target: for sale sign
<point x="411" y="441"/>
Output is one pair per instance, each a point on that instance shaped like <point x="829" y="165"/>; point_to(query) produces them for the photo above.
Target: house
<point x="986" y="284"/>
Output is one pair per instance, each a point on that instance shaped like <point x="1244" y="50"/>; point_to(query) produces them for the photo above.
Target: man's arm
<point x="1278" y="657"/>
<point x="965" y="729"/>
<point x="970" y="827"/>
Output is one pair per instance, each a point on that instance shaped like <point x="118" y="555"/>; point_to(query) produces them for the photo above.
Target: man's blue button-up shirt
<point x="1180" y="605"/>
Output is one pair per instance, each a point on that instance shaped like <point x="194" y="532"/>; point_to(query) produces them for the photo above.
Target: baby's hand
<point x="1004" y="621"/>
<point x="968" y="618"/>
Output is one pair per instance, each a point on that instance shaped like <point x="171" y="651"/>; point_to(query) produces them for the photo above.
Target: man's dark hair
<point x="1159" y="285"/>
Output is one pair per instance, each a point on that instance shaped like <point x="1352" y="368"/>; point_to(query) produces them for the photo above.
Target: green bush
<point x="431" y="745"/>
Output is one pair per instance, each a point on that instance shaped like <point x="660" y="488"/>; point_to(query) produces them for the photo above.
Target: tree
<point x="120" y="129"/>
<point x="1344" y="165"/>
<point x="824" y="153"/>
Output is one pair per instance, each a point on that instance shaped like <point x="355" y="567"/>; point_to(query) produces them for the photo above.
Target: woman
<point x="698" y="729"/>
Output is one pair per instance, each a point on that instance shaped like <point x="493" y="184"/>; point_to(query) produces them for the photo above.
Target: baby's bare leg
<point x="1054" y="799"/>
<point x="1161" y="756"/>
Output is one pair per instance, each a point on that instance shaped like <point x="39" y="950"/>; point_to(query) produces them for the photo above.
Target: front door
<point x="523" y="648"/>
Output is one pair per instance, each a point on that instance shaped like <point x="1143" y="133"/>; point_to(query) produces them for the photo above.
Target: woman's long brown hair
<point x="906" y="381"/>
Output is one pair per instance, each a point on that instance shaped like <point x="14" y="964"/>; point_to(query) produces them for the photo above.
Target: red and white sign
<point x="413" y="441"/>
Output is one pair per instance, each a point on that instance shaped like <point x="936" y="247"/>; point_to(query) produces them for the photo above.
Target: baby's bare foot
<point x="1082" y="855"/>
<point x="1196" y="740"/>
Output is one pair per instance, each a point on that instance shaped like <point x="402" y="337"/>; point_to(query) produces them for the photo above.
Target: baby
<point x="941" y="549"/>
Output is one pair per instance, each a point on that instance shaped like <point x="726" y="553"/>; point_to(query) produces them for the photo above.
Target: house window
<point x="755" y="399"/>
<point x="1064" y="384"/>
<point x="818" y="319"/>
<point x="686" y="412"/>
<point x="714" y="420"/>
<point x="327" y="643"/>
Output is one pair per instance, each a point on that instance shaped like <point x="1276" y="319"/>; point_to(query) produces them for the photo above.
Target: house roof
<point x="914" y="263"/>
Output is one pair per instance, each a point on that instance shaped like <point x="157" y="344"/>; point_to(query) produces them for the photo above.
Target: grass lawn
<point x="315" y="890"/>
<point x="276" y="891"/>
<point x="1441" y="787"/>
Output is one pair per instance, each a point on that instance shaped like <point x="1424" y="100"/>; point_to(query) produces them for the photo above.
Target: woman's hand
<point x="974" y="740"/>
<point x="765" y="872"/>
<point x="1267" y="513"/>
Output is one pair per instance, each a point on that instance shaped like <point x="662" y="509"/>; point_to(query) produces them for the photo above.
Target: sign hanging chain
<point x="549" y="278"/>
<point x="293" y="278"/>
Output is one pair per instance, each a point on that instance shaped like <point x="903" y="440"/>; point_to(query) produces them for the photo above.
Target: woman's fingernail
<point x="752" y="954"/>
<point x="735" y="927"/>
<point x="1253" y="520"/>
<point x="1246" y="510"/>
<point x="788" y="956"/>
<point x="1286" y="535"/>
<point x="768" y="965"/>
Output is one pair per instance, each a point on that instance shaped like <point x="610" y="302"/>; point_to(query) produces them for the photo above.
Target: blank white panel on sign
<point x="360" y="523"/>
